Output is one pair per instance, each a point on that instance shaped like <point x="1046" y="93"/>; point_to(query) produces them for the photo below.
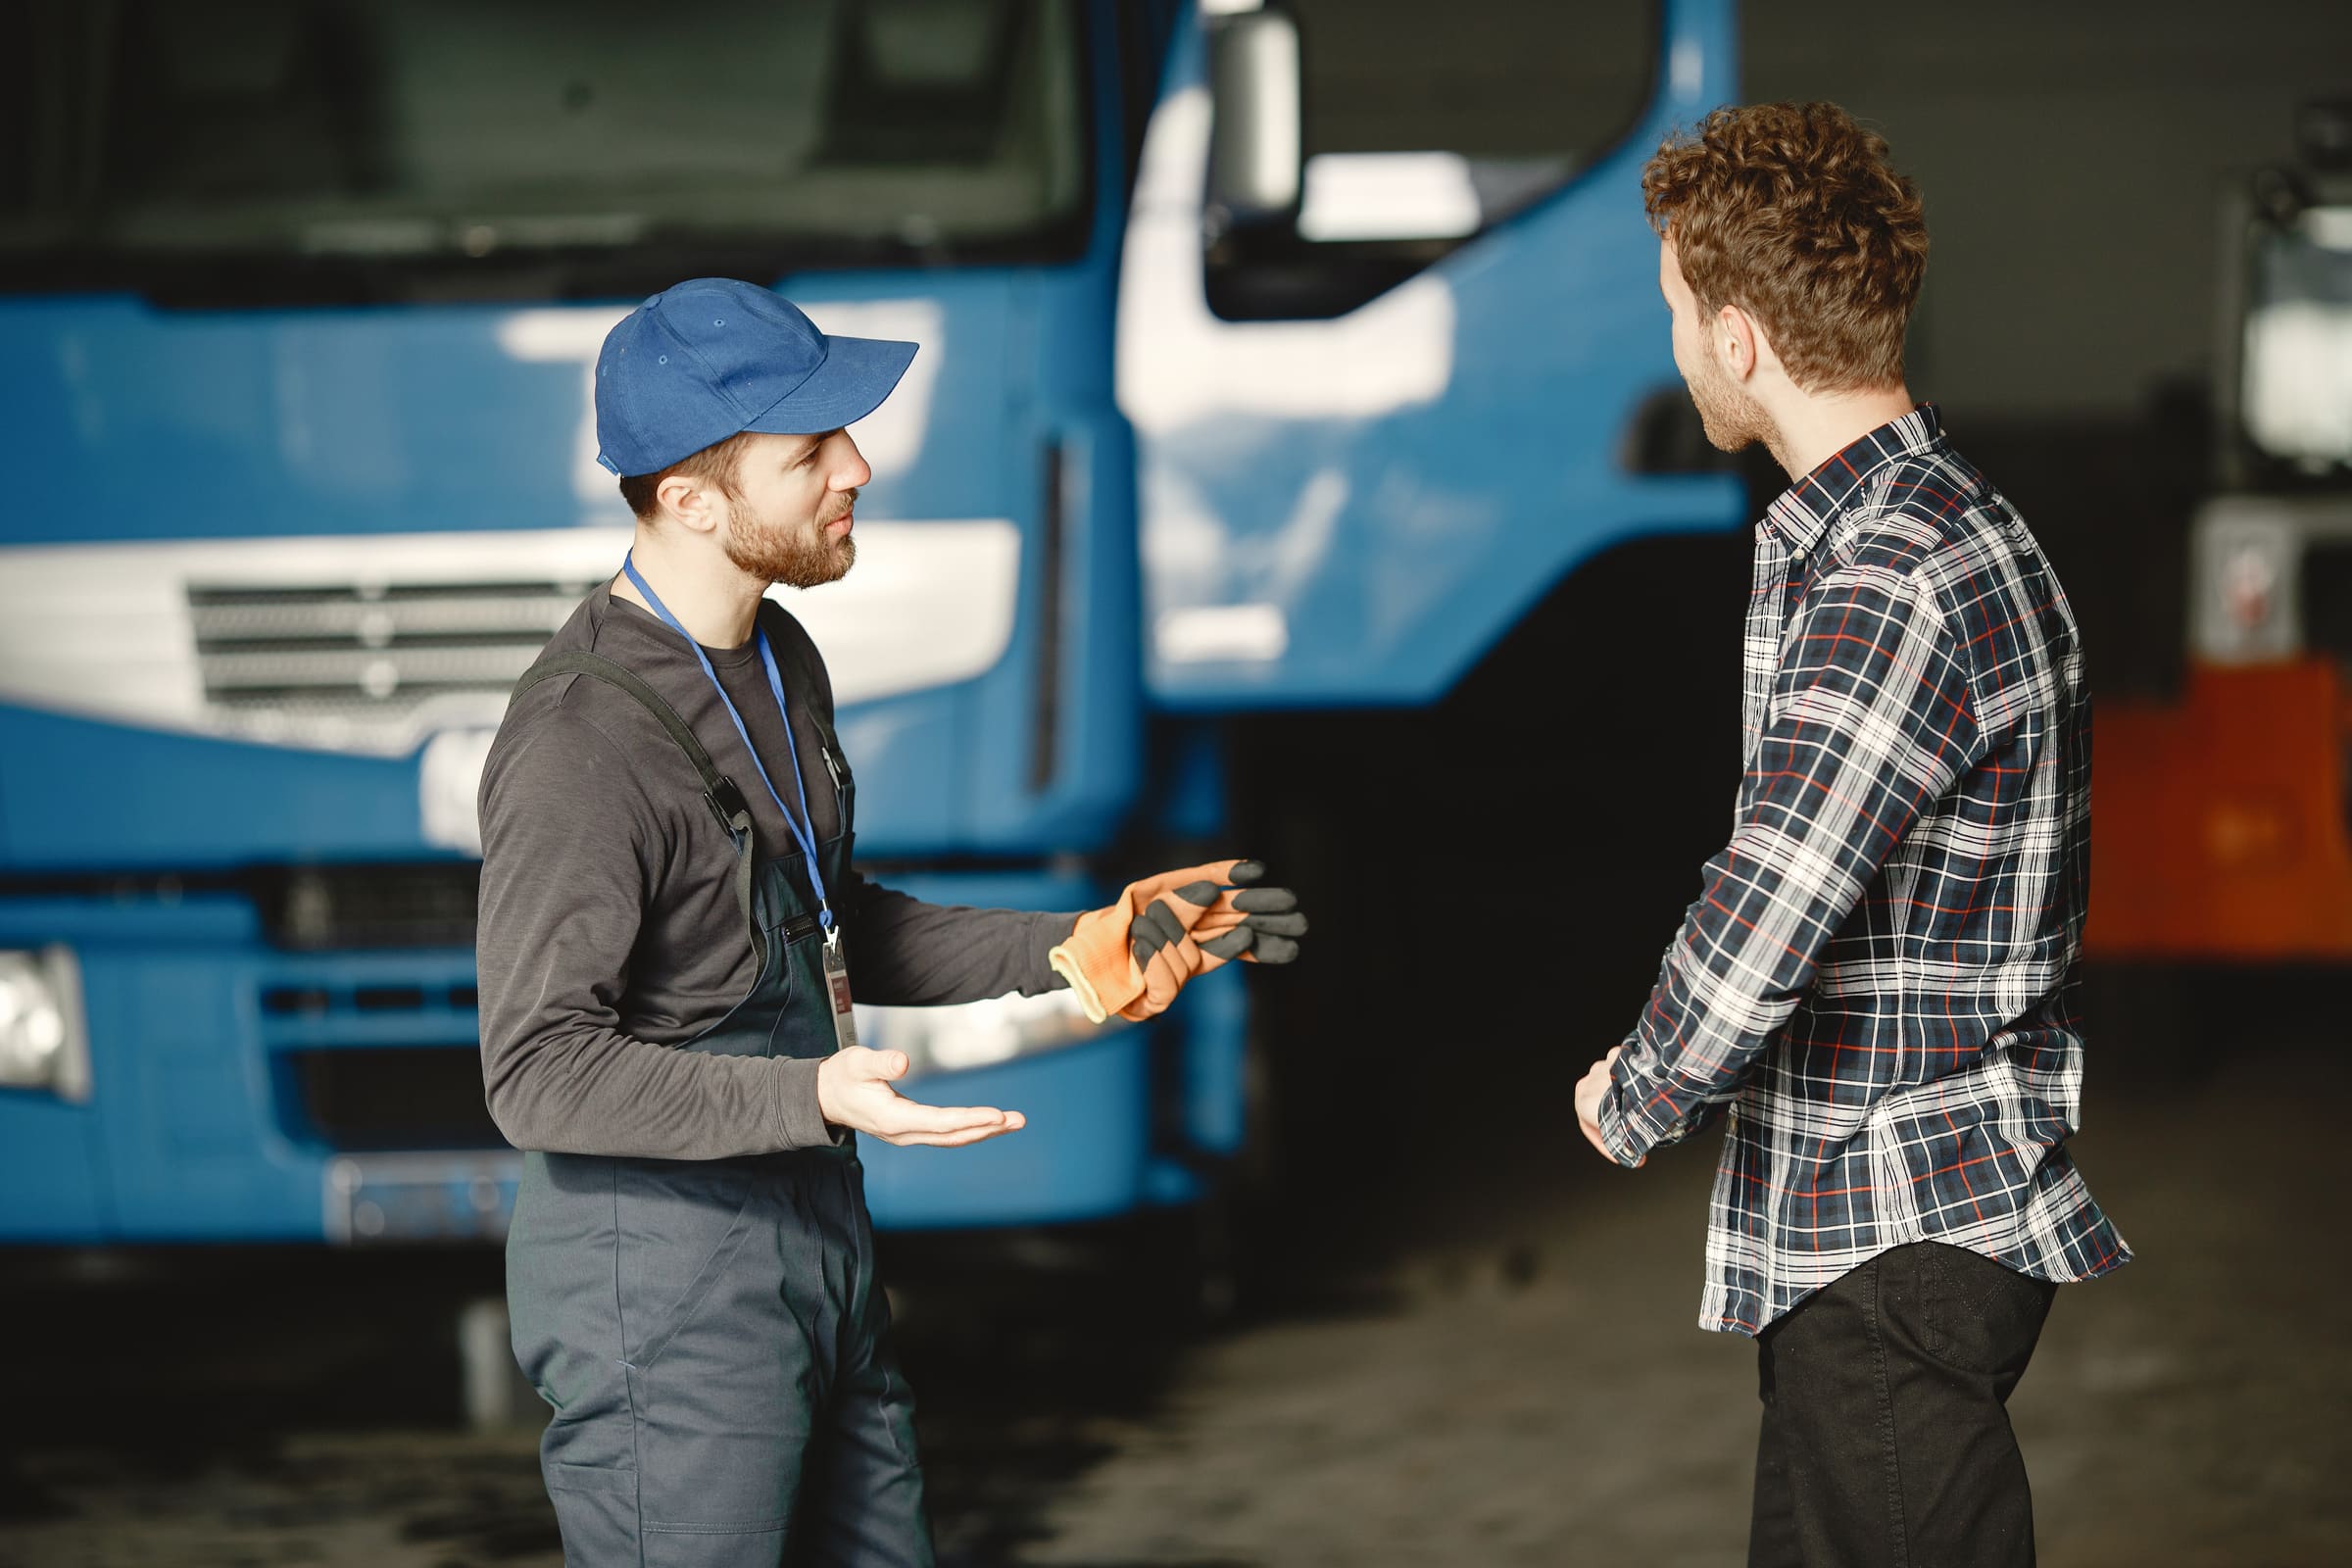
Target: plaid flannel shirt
<point x="1876" y="983"/>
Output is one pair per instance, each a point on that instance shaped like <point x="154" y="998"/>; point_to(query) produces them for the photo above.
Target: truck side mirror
<point x="1253" y="158"/>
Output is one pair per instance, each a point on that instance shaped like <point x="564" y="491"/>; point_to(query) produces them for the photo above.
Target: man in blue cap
<point x="670" y="934"/>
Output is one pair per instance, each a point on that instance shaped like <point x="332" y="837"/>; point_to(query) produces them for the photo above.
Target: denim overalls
<point x="709" y="1332"/>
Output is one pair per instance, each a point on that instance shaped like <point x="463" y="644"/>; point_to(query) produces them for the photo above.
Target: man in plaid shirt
<point x="1875" y="985"/>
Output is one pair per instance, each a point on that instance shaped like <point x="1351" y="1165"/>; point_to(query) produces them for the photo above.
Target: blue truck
<point x="1248" y="386"/>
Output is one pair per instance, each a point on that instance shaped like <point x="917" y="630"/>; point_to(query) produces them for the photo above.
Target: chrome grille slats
<point x="367" y="653"/>
<point x="506" y="612"/>
<point x="380" y="674"/>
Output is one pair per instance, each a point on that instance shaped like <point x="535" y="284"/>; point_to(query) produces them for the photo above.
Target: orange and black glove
<point x="1134" y="956"/>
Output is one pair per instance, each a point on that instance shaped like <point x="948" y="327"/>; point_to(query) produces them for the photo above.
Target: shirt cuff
<point x="1050" y="932"/>
<point x="799" y="1118"/>
<point x="1631" y="1124"/>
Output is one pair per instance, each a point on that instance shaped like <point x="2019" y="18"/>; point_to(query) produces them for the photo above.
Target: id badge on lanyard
<point x="837" y="991"/>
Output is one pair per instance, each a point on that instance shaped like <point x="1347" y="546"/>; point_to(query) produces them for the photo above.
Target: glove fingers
<point x="1267" y="948"/>
<point x="1231" y="945"/>
<point x="1200" y="894"/>
<point x="1165" y="921"/>
<point x="1152" y="930"/>
<point x="1170" y="967"/>
<point x="1178" y="912"/>
<point x="1188" y="921"/>
<point x="1278" y="925"/>
<point x="1242" y="900"/>
<point x="1145" y="889"/>
<point x="1187" y="905"/>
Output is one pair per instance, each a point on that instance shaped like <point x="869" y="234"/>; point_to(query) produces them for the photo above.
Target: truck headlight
<point x="978" y="1034"/>
<point x="43" y="1044"/>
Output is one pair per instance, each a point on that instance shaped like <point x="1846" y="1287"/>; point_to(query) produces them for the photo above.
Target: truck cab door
<point x="1377" y="420"/>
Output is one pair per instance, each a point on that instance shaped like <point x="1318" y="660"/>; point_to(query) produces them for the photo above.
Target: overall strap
<point x="802" y="668"/>
<point x="719" y="793"/>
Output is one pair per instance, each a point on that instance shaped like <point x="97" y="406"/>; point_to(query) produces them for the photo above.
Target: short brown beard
<point x="1730" y="415"/>
<point x="798" y="557"/>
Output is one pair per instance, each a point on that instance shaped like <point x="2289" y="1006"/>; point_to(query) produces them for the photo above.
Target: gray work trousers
<point x="716" y="1351"/>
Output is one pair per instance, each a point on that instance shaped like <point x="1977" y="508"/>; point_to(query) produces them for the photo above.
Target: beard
<point x="1730" y="415"/>
<point x="798" y="555"/>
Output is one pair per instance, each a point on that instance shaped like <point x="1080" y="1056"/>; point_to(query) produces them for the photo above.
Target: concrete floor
<point x="1492" y="1361"/>
<point x="2189" y="1410"/>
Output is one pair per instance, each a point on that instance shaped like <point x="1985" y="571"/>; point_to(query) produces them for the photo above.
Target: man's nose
<point x="850" y="473"/>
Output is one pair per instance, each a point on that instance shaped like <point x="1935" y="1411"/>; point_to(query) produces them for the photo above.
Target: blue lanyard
<point x="804" y="831"/>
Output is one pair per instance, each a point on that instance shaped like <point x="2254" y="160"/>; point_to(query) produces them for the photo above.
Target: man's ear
<point x="1739" y="342"/>
<point x="687" y="503"/>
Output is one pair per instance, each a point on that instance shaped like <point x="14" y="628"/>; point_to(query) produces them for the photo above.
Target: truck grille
<point x="288" y="661"/>
<point x="364" y="907"/>
<point x="427" y="1097"/>
<point x="379" y="645"/>
<point x="374" y="1051"/>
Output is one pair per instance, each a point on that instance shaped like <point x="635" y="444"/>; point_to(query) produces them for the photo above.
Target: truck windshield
<point x="365" y="148"/>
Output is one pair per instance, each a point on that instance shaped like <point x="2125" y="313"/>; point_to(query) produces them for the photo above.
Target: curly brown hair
<point x="1790" y="211"/>
<point x="720" y="464"/>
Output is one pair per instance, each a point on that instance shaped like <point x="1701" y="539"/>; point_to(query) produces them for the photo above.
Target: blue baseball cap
<point x="712" y="357"/>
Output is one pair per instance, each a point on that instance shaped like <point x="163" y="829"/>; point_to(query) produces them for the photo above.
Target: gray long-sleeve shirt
<point x="610" y="932"/>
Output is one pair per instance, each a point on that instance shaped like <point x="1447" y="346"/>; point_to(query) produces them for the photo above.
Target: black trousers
<point x="1885" y="1441"/>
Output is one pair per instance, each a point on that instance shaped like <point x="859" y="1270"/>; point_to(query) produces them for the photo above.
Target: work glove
<point x="1133" y="955"/>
